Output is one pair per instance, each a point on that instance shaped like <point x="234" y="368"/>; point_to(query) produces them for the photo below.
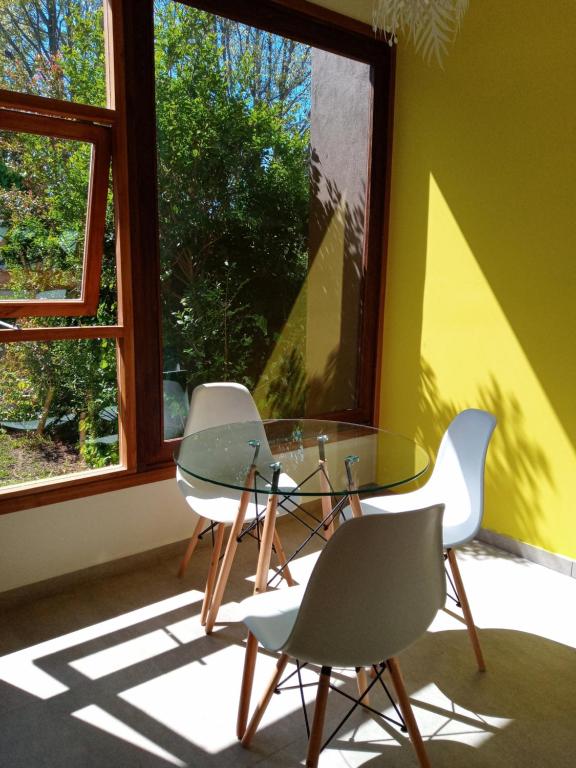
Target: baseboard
<point x="30" y="592"/>
<point x="564" y="565"/>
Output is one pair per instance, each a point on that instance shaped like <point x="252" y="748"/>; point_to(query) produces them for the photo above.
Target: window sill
<point x="56" y="490"/>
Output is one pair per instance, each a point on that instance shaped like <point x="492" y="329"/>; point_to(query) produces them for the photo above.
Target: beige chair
<point x="374" y="590"/>
<point x="213" y="405"/>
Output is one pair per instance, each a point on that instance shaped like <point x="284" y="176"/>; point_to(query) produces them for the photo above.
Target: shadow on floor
<point x="148" y="688"/>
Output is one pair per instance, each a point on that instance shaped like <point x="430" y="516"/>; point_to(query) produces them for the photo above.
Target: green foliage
<point x="232" y="126"/>
<point x="233" y="200"/>
<point x="53" y="48"/>
<point x="43" y="196"/>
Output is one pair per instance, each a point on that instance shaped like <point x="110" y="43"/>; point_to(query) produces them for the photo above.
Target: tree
<point x="233" y="193"/>
<point x="232" y="124"/>
<point x="45" y="42"/>
<point x="273" y="70"/>
<point x="54" y="49"/>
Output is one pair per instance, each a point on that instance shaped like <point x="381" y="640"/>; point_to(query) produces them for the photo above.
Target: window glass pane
<point x="53" y="49"/>
<point x="262" y="166"/>
<point x="43" y="200"/>
<point x="58" y="408"/>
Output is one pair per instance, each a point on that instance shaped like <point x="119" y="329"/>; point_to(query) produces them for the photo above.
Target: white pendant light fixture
<point x="429" y="24"/>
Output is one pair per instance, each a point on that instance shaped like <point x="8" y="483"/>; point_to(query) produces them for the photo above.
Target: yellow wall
<point x="481" y="300"/>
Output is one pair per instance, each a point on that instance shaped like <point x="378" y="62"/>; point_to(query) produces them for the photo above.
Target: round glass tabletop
<point x="309" y="457"/>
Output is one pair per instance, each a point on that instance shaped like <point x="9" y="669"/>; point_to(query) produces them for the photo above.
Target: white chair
<point x="457" y="481"/>
<point x="212" y="405"/>
<point x="175" y="408"/>
<point x="375" y="588"/>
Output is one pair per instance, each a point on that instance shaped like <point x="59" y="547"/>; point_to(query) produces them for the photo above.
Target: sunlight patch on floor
<point x="97" y="717"/>
<point x="20" y="668"/>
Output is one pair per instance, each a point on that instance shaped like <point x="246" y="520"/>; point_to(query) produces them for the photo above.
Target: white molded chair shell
<point x="218" y="403"/>
<point x="375" y="588"/>
<point x="213" y="405"/>
<point x="457" y="480"/>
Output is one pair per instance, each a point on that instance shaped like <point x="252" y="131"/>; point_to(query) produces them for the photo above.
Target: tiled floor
<point x="118" y="673"/>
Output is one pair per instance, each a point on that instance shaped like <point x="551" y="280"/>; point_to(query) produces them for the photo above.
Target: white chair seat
<point x="220" y="504"/>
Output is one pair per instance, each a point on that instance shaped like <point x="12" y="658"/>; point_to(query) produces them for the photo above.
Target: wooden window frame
<point x="130" y="120"/>
<point x="321" y="28"/>
<point x="64" y="122"/>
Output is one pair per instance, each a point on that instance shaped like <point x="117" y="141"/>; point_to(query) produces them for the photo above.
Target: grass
<point x="25" y="457"/>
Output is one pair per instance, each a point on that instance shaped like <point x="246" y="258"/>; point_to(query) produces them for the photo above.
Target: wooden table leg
<point x="259" y="586"/>
<point x="353" y="492"/>
<point x="212" y="572"/>
<point x="283" y="560"/>
<point x="326" y="499"/>
<point x="355" y="505"/>
<point x="229" y="554"/>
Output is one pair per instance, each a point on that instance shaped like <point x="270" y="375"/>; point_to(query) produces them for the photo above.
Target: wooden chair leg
<point x="247" y="681"/>
<point x="223" y="575"/>
<point x="407" y="714"/>
<point x="282" y="560"/>
<point x="191" y="545"/>
<point x="212" y="572"/>
<point x="224" y="572"/>
<point x="315" y="740"/>
<point x="264" y="701"/>
<point x="259" y="586"/>
<point x="463" y="599"/>
<point x="362" y="682"/>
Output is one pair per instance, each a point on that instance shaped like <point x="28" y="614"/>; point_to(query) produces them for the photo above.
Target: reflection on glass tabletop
<point x="373" y="459"/>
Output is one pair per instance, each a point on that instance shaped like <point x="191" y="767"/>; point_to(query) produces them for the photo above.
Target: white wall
<point x="41" y="543"/>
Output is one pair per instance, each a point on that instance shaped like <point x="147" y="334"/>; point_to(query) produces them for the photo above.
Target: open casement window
<point x="42" y="286"/>
<point x="62" y="385"/>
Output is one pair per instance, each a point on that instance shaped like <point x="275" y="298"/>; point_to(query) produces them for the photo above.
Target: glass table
<point x="298" y="459"/>
<point x="294" y="459"/>
<point x="369" y="458"/>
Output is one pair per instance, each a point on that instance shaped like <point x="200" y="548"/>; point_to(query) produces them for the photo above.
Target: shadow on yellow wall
<point x="480" y="307"/>
<point x="519" y="470"/>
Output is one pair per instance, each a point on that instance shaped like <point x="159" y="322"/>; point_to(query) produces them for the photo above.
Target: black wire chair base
<point x="454" y="596"/>
<point x="317" y="527"/>
<point x="357" y="702"/>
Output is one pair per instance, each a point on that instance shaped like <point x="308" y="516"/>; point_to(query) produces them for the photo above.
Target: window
<point x="58" y="293"/>
<point x="278" y="287"/>
<point x="53" y="209"/>
<point x="252" y="254"/>
<point x="262" y="147"/>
